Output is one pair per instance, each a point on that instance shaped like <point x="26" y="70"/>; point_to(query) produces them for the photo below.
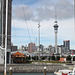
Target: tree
<point x="63" y="56"/>
<point x="34" y="58"/>
<point x="53" y="57"/>
<point x="43" y="57"/>
<point x="74" y="58"/>
<point x="49" y="58"/>
<point x="58" y="58"/>
<point x="68" y="58"/>
<point x="37" y="58"/>
<point x="29" y="57"/>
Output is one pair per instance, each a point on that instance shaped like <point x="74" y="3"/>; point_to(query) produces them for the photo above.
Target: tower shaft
<point x="56" y="42"/>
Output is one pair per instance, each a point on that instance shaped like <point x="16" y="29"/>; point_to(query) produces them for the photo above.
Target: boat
<point x="65" y="72"/>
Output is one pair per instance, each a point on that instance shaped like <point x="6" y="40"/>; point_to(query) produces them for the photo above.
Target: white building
<point x="1" y="55"/>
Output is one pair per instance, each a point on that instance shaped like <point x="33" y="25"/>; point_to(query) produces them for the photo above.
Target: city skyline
<point x="43" y="11"/>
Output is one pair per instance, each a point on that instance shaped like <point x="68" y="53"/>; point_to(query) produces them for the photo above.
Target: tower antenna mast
<point x="39" y="38"/>
<point x="55" y="14"/>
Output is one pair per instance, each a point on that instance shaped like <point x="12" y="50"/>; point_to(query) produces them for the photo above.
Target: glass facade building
<point x="66" y="43"/>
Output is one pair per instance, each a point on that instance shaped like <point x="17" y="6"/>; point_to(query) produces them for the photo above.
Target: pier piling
<point x="10" y="71"/>
<point x="45" y="70"/>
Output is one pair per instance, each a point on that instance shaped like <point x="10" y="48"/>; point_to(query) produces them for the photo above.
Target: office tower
<point x="31" y="47"/>
<point x="66" y="44"/>
<point x="22" y="48"/>
<point x="55" y="30"/>
<point x="3" y="26"/>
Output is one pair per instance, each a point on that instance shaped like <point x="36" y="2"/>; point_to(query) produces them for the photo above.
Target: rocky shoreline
<point x="18" y="68"/>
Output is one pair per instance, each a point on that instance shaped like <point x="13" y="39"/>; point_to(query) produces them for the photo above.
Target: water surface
<point x="29" y="74"/>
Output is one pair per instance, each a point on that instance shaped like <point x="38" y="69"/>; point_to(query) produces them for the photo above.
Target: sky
<point x="26" y="14"/>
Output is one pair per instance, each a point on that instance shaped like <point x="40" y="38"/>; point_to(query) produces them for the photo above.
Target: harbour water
<point x="29" y="74"/>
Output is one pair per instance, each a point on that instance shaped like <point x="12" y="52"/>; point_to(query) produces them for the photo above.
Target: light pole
<point x="39" y="38"/>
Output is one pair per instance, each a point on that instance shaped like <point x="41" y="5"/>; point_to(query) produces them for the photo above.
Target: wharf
<point x="51" y="67"/>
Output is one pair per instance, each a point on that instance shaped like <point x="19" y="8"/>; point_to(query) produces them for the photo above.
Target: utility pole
<point x="39" y="38"/>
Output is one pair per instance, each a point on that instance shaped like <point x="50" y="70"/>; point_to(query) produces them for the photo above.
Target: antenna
<point x="55" y="15"/>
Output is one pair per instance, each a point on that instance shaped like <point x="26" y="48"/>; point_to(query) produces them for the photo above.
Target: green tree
<point x="68" y="58"/>
<point x="58" y="58"/>
<point x="34" y="58"/>
<point x="29" y="57"/>
<point x="43" y="58"/>
<point x="74" y="58"/>
<point x="49" y="58"/>
<point x="53" y="57"/>
<point x="37" y="58"/>
<point x="63" y="56"/>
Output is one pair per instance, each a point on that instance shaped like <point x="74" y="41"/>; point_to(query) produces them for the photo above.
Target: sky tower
<point x="55" y="30"/>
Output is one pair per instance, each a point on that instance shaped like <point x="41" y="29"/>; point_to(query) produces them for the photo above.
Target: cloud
<point x="44" y="10"/>
<point x="23" y="12"/>
<point x="65" y="9"/>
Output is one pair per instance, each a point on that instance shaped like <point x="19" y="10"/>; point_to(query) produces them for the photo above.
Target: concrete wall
<point x="33" y="67"/>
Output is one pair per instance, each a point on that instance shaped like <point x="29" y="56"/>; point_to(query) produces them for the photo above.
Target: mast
<point x="6" y="36"/>
<point x="39" y="38"/>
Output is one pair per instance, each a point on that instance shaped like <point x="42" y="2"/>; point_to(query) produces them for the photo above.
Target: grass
<point x="52" y="62"/>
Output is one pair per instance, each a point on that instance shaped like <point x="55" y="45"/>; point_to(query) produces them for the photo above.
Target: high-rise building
<point x="66" y="44"/>
<point x="0" y="22"/>
<point x="41" y="48"/>
<point x="31" y="47"/>
<point x="3" y="26"/>
<point x="22" y="48"/>
<point x="13" y="48"/>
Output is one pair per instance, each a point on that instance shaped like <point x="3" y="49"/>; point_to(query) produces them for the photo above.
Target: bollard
<point x="10" y="71"/>
<point x="45" y="70"/>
